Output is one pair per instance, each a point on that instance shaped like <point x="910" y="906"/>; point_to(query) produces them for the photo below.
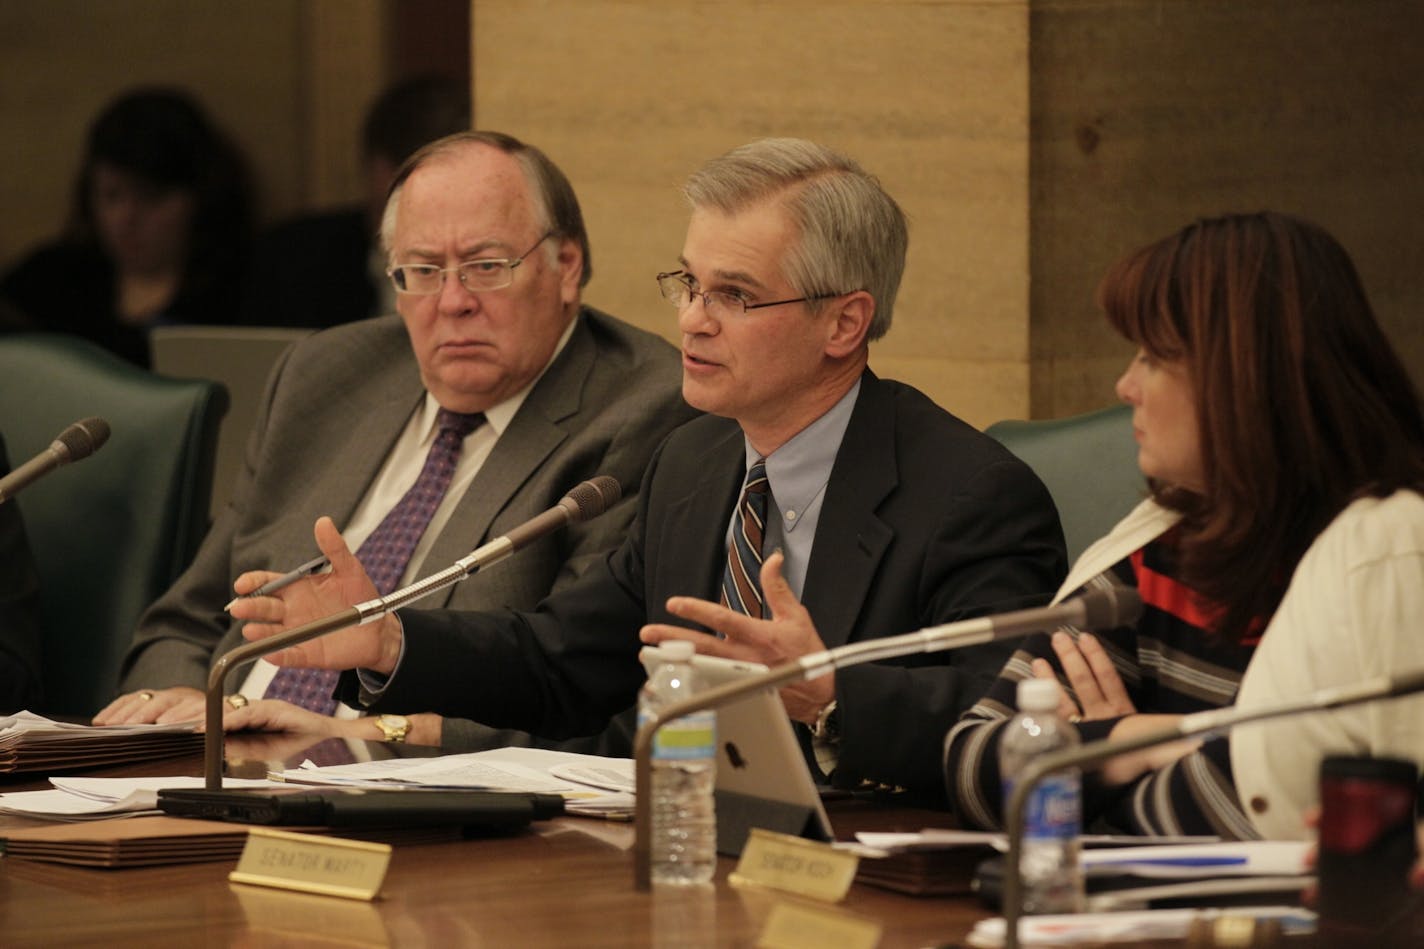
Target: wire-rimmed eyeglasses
<point x="676" y="287"/>
<point x="482" y="273"/>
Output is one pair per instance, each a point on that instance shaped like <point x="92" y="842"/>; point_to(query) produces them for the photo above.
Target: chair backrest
<point x="112" y="531"/>
<point x="239" y="357"/>
<point x="1089" y="464"/>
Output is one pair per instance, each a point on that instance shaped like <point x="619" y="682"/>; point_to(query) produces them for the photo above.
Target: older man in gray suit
<point x="488" y="256"/>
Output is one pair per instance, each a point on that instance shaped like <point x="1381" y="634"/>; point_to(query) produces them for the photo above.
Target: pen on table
<point x="286" y="579"/>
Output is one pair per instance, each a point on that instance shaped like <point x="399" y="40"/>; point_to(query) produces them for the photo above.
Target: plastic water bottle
<point x="684" y="841"/>
<point x="1052" y="879"/>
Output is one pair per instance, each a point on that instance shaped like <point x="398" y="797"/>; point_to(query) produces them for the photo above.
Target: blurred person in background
<point x="159" y="231"/>
<point x="326" y="268"/>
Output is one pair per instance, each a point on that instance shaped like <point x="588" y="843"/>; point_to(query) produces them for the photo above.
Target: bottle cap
<point x="1038" y="695"/>
<point x="676" y="650"/>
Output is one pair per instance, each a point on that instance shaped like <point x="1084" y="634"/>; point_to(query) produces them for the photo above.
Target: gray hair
<point x="853" y="235"/>
<point x="557" y="207"/>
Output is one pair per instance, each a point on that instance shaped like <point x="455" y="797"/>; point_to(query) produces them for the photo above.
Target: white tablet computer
<point x="762" y="778"/>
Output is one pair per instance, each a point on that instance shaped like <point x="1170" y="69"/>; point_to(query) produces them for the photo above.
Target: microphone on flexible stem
<point x="1103" y="608"/>
<point x="1208" y="723"/>
<point x="78" y="441"/>
<point x="587" y="500"/>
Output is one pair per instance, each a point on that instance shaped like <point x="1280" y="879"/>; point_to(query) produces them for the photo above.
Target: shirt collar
<point x="798" y="471"/>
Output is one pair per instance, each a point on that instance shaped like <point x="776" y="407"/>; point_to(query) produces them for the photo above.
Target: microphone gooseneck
<point x="1093" y="609"/>
<point x="1109" y="607"/>
<point x="587" y="499"/>
<point x="78" y="441"/>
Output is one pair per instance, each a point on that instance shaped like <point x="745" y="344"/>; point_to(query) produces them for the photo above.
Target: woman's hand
<point x="1126" y="768"/>
<point x="1092" y="677"/>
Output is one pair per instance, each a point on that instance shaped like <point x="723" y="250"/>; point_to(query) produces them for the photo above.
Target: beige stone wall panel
<point x="629" y="97"/>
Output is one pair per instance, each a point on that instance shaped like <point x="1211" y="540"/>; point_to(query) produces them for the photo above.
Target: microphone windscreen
<point x="594" y="496"/>
<point x="84" y="437"/>
<point x="1110" y="607"/>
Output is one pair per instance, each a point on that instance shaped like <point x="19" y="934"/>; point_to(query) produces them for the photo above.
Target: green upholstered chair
<point x="239" y="357"/>
<point x="112" y="531"/>
<point x="1089" y="464"/>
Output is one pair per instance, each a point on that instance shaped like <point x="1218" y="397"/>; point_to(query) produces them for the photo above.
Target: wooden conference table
<point x="566" y="882"/>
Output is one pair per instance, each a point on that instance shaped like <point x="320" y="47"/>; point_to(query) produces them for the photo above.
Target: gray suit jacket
<point x="334" y="406"/>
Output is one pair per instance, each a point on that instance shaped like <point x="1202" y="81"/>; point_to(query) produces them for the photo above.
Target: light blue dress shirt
<point x="797" y="474"/>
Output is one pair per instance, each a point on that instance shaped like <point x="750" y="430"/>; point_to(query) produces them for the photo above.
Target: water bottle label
<point x="1054" y="810"/>
<point x="692" y="737"/>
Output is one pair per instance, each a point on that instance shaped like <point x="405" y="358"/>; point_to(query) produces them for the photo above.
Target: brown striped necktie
<point x="741" y="582"/>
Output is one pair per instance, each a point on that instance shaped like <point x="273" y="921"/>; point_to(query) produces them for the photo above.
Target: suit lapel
<point x="695" y="533"/>
<point x="355" y="465"/>
<point x="851" y="538"/>
<point x="531" y="437"/>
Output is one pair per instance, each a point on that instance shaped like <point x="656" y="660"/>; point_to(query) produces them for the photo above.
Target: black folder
<point x="347" y="807"/>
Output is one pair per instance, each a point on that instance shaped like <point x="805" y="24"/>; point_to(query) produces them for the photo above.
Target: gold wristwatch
<point x="394" y="727"/>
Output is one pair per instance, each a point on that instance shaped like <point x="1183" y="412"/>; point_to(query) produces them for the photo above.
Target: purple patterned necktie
<point x="385" y="553"/>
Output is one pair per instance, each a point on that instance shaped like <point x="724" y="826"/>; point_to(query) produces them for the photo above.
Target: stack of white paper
<point x="77" y="799"/>
<point x="592" y="786"/>
<point x="30" y="742"/>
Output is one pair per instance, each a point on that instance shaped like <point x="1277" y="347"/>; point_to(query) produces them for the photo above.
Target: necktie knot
<point x="755" y="492"/>
<point x="756" y="482"/>
<point x="461" y="423"/>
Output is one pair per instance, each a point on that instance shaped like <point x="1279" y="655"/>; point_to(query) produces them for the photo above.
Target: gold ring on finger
<point x="237" y="700"/>
<point x="145" y="695"/>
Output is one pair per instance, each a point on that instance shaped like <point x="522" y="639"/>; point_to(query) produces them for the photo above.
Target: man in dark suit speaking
<point x="889" y="513"/>
<point x="494" y="393"/>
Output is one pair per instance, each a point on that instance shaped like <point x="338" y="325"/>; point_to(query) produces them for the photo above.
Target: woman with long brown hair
<point x="1283" y="444"/>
